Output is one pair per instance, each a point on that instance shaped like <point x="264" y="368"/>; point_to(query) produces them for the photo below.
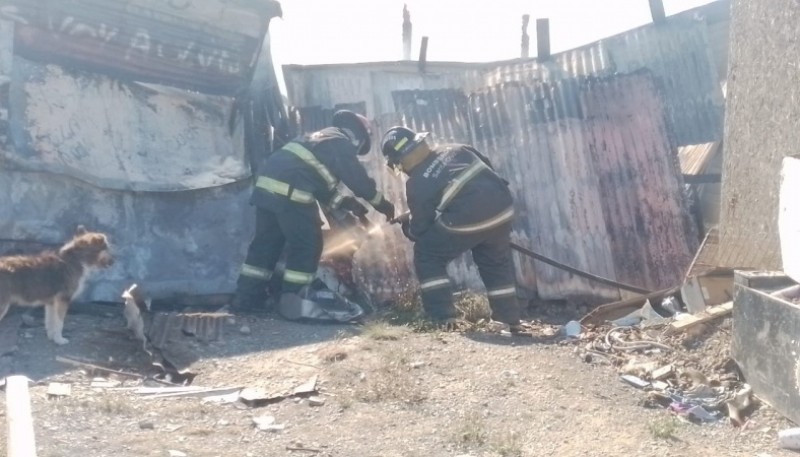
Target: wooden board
<point x="711" y="313"/>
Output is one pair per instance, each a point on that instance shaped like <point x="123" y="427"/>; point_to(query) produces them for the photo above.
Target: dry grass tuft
<point x="664" y="428"/>
<point x="471" y="432"/>
<point x="390" y="380"/>
<point x="332" y="353"/>
<point x="474" y="307"/>
<point x="508" y="445"/>
<point x="383" y="331"/>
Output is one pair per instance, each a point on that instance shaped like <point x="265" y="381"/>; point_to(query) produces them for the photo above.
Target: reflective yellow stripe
<point x="297" y="277"/>
<point x="308" y="157"/>
<point x="400" y="144"/>
<point x="376" y="199"/>
<point x="458" y="183"/>
<point x="255" y="272"/>
<point x="500" y="219"/>
<point x="336" y="200"/>
<point x="434" y="283"/>
<point x="506" y="290"/>
<point x="281" y="188"/>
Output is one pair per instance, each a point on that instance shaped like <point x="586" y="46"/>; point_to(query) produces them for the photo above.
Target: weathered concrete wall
<point x="761" y="128"/>
<point x="120" y="135"/>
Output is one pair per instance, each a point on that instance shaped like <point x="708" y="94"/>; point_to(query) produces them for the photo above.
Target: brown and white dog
<point x="52" y="279"/>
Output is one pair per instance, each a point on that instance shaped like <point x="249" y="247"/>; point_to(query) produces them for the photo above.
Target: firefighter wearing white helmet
<point x="290" y="184"/>
<point x="457" y="203"/>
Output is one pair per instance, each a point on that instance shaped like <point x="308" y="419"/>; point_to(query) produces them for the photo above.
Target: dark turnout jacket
<point x="457" y="188"/>
<point x="309" y="169"/>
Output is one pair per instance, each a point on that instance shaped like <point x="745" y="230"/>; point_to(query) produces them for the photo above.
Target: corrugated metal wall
<point x="591" y="165"/>
<point x="678" y="53"/>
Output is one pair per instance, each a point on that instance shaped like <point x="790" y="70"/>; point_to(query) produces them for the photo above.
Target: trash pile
<point x="681" y="361"/>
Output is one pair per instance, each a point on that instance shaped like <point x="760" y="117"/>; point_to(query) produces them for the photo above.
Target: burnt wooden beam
<point x="526" y="39"/>
<point x="423" y="54"/>
<point x="407" y="27"/>
<point x="543" y="38"/>
<point x="657" y="11"/>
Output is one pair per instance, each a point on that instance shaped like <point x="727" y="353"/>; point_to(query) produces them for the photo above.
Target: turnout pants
<point x="297" y="229"/>
<point x="491" y="251"/>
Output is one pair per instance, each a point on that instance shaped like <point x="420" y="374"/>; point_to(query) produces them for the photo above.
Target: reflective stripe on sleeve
<point x="376" y="199"/>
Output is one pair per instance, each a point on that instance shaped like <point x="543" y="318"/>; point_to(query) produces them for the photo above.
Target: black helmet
<point x="356" y="127"/>
<point x="398" y="142"/>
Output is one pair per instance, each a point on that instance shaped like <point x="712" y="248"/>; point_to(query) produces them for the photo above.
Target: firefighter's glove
<point x="352" y="205"/>
<point x="386" y="208"/>
<point x="405" y="225"/>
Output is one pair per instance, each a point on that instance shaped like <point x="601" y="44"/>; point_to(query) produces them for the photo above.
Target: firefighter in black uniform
<point x="457" y="203"/>
<point x="290" y="183"/>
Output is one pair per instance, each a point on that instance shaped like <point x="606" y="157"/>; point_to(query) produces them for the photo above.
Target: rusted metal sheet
<point x="592" y="170"/>
<point x="129" y="137"/>
<point x="761" y="129"/>
<point x="209" y="46"/>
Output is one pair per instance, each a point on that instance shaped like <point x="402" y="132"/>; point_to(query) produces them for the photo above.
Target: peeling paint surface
<point x="121" y="135"/>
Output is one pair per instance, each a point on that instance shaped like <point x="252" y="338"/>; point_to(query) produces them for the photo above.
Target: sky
<point x="348" y="31"/>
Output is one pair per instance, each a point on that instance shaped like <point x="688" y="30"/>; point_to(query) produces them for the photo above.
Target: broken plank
<point x="659" y="374"/>
<point x="21" y="438"/>
<point x="307" y="388"/>
<point x="59" y="389"/>
<point x="711" y="313"/>
<point x="219" y="391"/>
<point x="77" y="363"/>
<point x="615" y="310"/>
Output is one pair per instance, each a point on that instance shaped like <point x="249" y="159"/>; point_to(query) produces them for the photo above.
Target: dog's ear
<point x="81" y="230"/>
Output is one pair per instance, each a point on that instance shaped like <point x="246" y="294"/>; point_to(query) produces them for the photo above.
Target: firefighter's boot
<point x="251" y="295"/>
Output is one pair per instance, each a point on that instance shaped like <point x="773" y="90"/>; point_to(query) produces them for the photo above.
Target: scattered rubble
<point x="689" y="373"/>
<point x="59" y="389"/>
<point x="267" y="424"/>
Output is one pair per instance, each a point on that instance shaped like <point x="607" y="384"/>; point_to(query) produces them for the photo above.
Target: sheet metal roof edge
<point x="412" y="65"/>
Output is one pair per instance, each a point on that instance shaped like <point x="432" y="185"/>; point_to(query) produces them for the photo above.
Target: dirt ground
<point x="383" y="391"/>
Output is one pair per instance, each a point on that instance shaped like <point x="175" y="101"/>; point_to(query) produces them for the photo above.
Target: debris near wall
<point x="168" y="337"/>
<point x="687" y="369"/>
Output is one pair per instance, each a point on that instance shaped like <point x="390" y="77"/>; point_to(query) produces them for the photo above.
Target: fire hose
<point x="544" y="259"/>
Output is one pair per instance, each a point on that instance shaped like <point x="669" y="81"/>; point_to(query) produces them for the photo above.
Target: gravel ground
<point x="384" y="391"/>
